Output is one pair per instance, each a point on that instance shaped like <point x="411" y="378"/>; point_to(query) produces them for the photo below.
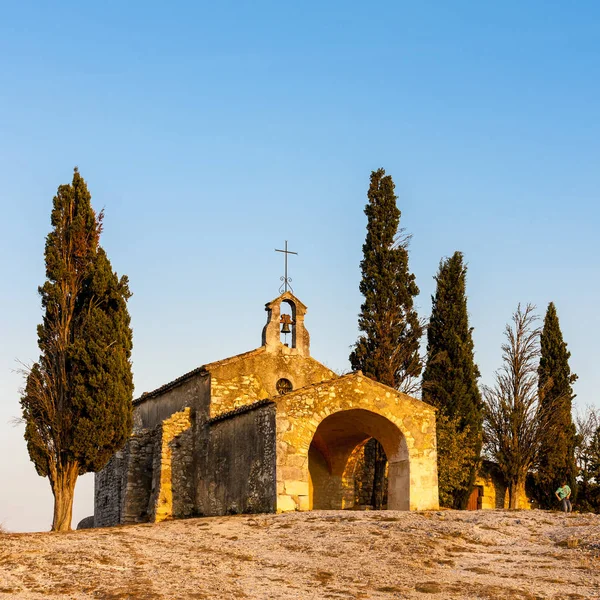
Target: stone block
<point x="291" y="473"/>
<point x="285" y="503"/>
<point x="303" y="503"/>
<point x="297" y="460"/>
<point x="296" y="488"/>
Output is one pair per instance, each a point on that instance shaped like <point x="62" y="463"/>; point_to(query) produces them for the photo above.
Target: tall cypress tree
<point x="77" y="398"/>
<point x="450" y="383"/>
<point x="388" y="350"/>
<point x="557" y="454"/>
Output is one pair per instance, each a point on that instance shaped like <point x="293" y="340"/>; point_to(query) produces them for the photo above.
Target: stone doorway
<point x="336" y="449"/>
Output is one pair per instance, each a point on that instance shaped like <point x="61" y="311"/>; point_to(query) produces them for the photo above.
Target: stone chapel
<point x="269" y="430"/>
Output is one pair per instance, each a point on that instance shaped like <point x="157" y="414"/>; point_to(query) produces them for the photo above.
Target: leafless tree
<point x="587" y="424"/>
<point x="513" y="425"/>
<point x="411" y="385"/>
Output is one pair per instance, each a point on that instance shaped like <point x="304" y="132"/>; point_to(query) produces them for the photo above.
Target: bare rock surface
<point x="87" y="523"/>
<point x="322" y="554"/>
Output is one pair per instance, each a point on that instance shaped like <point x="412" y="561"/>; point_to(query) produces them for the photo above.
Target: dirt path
<point x="325" y="554"/>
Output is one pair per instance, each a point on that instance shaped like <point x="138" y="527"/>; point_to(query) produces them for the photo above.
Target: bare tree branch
<point x="515" y="423"/>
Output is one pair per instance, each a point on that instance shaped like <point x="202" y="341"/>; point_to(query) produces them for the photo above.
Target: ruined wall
<point x="109" y="489"/>
<point x="138" y="477"/>
<point x="183" y="473"/>
<point x="153" y="477"/>
<point x="236" y="472"/>
<point x="245" y="379"/>
<point x="122" y="488"/>
<point x="172" y="488"/>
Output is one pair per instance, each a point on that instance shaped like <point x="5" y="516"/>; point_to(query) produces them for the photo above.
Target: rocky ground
<point x="324" y="554"/>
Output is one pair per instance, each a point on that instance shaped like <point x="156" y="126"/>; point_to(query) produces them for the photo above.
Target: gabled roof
<point x="350" y="376"/>
<point x="172" y="384"/>
<point x="203" y="370"/>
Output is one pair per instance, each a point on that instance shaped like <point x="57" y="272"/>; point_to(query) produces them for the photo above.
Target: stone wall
<point x="137" y="477"/>
<point x="192" y="389"/>
<point x="165" y="486"/>
<point x="364" y="472"/>
<point x="122" y="488"/>
<point x="128" y="489"/>
<point x="363" y="409"/>
<point x="183" y="474"/>
<point x="247" y="378"/>
<point x="494" y="490"/>
<point x="108" y="490"/>
<point x="271" y="337"/>
<point x="237" y="465"/>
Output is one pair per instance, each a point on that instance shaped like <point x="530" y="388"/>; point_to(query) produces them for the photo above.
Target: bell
<point x="285" y="328"/>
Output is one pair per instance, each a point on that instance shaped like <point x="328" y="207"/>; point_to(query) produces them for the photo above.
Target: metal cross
<point x="286" y="280"/>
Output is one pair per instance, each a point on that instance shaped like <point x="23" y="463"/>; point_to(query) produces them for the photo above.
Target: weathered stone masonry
<point x="237" y="474"/>
<point x="227" y="438"/>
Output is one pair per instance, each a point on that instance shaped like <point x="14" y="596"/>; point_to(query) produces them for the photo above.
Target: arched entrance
<point x="335" y="448"/>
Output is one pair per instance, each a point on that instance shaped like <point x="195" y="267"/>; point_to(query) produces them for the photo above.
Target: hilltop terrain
<point x="324" y="554"/>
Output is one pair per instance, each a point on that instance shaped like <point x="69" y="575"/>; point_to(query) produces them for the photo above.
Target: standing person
<point x="563" y="493"/>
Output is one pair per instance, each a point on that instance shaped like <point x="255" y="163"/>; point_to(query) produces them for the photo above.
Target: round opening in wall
<point x="284" y="386"/>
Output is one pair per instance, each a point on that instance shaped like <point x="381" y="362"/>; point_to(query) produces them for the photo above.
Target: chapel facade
<point x="269" y="430"/>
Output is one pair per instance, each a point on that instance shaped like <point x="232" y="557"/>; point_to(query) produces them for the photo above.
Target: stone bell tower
<point x="271" y="335"/>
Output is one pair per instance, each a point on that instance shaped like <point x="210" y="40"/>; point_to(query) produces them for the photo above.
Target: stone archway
<point x="336" y="443"/>
<point x="365" y="409"/>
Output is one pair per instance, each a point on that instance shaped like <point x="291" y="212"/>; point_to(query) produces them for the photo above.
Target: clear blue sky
<point x="212" y="132"/>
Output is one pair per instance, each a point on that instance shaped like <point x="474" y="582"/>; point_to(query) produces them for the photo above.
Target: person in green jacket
<point x="563" y="493"/>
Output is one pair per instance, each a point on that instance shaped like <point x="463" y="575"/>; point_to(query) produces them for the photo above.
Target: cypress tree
<point x="557" y="453"/>
<point x="77" y="397"/>
<point x="450" y="383"/>
<point x="388" y="350"/>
